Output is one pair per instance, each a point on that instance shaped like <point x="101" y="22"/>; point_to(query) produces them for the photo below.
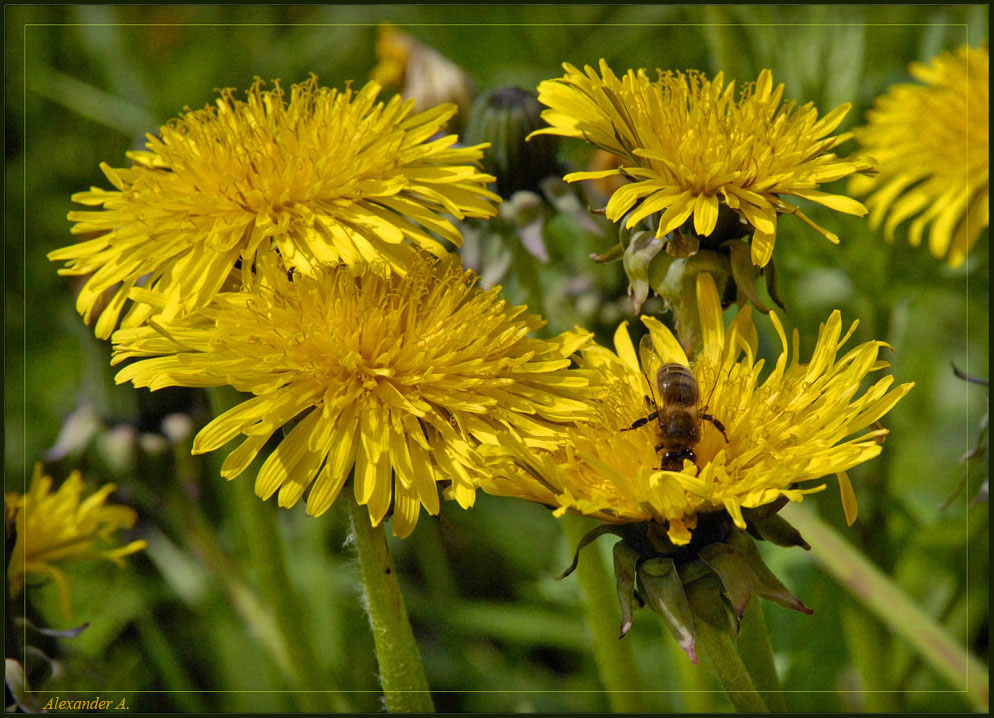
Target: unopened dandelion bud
<point x="505" y="117"/>
<point x="639" y="254"/>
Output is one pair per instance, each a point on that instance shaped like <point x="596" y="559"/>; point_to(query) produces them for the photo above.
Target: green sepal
<point x="625" y="560"/>
<point x="588" y="538"/>
<point x="778" y="530"/>
<point x="660" y="585"/>
<point x="770" y="272"/>
<point x="675" y="280"/>
<point x="761" y="512"/>
<point x="641" y="250"/>
<point x="704" y="596"/>
<point x="745" y="273"/>
<point x="733" y="569"/>
<point x="612" y="255"/>
<point x="692" y="570"/>
<point x="764" y="583"/>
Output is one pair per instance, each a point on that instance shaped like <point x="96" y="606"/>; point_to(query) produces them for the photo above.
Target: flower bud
<point x="505" y="117"/>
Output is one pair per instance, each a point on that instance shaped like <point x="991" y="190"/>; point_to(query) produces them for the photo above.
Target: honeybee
<point x="678" y="415"/>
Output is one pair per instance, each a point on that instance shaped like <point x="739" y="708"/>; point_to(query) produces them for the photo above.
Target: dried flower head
<point x="420" y="72"/>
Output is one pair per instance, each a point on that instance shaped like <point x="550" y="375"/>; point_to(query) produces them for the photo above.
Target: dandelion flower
<point x="324" y="176"/>
<point x="931" y="143"/>
<point x="400" y="377"/>
<point x="803" y="422"/>
<point x="54" y="527"/>
<point x="689" y="148"/>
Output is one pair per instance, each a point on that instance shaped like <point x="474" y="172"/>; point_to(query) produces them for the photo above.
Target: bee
<point x="679" y="416"/>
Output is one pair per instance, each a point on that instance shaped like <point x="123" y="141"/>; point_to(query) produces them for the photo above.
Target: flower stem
<point x="757" y="655"/>
<point x="722" y="655"/>
<point x="526" y="270"/>
<point x="893" y="607"/>
<point x="614" y="659"/>
<point x="402" y="675"/>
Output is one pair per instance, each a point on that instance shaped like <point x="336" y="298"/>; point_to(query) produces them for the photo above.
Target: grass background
<point x="191" y="624"/>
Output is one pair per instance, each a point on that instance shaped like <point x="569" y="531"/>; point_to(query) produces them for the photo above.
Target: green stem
<point x="721" y="654"/>
<point x="893" y="607"/>
<point x="614" y="658"/>
<point x="402" y="675"/>
<point x="757" y="655"/>
<point x="526" y="270"/>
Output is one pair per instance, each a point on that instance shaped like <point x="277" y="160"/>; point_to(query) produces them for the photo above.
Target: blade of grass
<point x="893" y="607"/>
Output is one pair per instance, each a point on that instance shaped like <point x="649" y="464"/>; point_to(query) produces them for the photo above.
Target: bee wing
<point x="707" y="369"/>
<point x="650" y="362"/>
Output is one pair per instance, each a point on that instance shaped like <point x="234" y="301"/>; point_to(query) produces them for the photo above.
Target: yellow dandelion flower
<point x="931" y="144"/>
<point x="54" y="527"/>
<point x="324" y="176"/>
<point x="689" y="147"/>
<point x="804" y="421"/>
<point x="400" y="377"/>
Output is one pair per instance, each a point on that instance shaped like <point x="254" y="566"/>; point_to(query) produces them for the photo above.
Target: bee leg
<point x="643" y="421"/>
<point x="717" y="424"/>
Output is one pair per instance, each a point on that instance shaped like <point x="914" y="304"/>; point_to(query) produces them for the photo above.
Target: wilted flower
<point x="761" y="444"/>
<point x="54" y="527"/>
<point x="399" y="376"/>
<point x="932" y="146"/>
<point x="420" y="72"/>
<point x="326" y="176"/>
<point x="690" y="148"/>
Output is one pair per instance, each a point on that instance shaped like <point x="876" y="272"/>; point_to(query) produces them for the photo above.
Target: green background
<point x="191" y="625"/>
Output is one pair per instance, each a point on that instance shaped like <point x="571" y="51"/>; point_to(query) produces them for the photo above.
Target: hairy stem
<point x="721" y="654"/>
<point x="402" y="675"/>
<point x="757" y="655"/>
